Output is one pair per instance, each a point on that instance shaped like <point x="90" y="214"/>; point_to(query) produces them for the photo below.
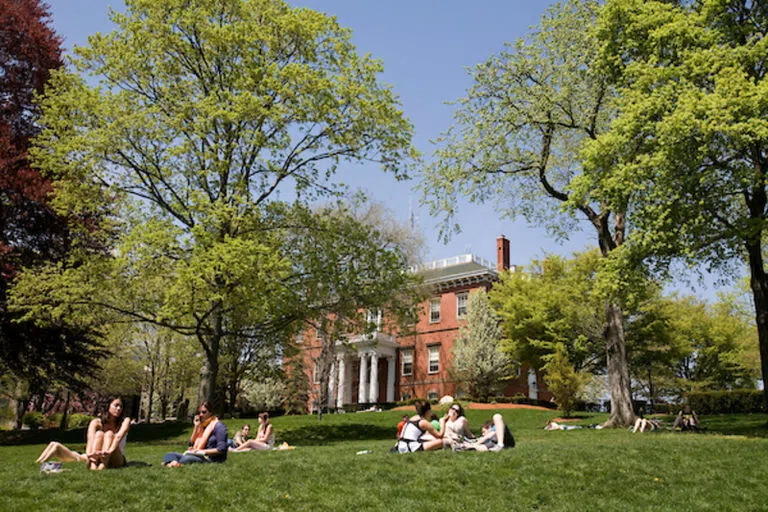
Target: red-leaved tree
<point x="30" y="231"/>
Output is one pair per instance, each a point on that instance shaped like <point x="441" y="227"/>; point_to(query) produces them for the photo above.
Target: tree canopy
<point x="202" y="112"/>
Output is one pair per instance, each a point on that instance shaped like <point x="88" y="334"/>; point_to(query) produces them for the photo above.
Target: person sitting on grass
<point x="686" y="420"/>
<point x="400" y="425"/>
<point x="455" y="426"/>
<point x="207" y="444"/>
<point x="240" y="437"/>
<point x="495" y="437"/>
<point x="105" y="440"/>
<point x="265" y="437"/>
<point x="411" y="437"/>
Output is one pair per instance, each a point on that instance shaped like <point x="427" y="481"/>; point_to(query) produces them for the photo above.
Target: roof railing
<point x="453" y="261"/>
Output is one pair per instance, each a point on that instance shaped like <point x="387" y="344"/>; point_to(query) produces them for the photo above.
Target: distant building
<point x="384" y="367"/>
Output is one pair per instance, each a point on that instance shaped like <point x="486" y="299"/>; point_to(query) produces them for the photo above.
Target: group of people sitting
<point x="424" y="432"/>
<point x="108" y="434"/>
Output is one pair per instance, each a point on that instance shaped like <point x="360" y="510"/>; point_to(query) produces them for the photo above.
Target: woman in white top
<point x="411" y="437"/>
<point x="265" y="437"/>
<point x="455" y="426"/>
<point x="105" y="441"/>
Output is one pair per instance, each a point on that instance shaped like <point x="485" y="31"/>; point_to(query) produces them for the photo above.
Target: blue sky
<point x="426" y="47"/>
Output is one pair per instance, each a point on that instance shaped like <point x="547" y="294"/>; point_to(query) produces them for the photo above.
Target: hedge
<point x="727" y="402"/>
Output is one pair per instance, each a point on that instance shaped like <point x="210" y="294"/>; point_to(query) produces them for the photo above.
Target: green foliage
<point x="478" y="359"/>
<point x="553" y="302"/>
<point x="200" y="113"/>
<point x="563" y="381"/>
<point x="33" y="419"/>
<point x="726" y="402"/>
<point x="78" y="420"/>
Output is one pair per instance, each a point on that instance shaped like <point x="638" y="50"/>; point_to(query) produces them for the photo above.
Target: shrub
<point x="53" y="420"/>
<point x="726" y="402"/>
<point x="33" y="419"/>
<point x="563" y="381"/>
<point x="78" y="420"/>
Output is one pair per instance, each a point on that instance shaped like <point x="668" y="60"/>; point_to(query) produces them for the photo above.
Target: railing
<point x="453" y="261"/>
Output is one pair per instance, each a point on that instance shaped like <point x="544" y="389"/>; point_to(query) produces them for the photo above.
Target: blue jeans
<point x="182" y="459"/>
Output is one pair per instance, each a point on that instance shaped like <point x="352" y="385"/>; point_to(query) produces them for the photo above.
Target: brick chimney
<point x="502" y="253"/>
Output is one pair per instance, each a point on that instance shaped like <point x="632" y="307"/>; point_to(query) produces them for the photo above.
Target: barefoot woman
<point x="105" y="441"/>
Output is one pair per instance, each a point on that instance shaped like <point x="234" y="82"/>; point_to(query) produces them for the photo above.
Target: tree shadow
<point x="322" y="434"/>
<point x="747" y="425"/>
<point x="154" y="433"/>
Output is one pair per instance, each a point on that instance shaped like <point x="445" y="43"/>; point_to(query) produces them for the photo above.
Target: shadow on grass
<point x="159" y="433"/>
<point x="748" y="425"/>
<point x="327" y="434"/>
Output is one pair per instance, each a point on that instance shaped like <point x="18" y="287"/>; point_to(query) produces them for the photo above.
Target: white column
<point x="332" y="386"/>
<point x="362" y="392"/>
<point x="373" y="390"/>
<point x="342" y="370"/>
<point x="533" y="387"/>
<point x="390" y="379"/>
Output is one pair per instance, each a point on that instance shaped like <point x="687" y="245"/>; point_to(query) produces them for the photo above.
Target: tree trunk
<point x="618" y="368"/>
<point x="63" y="424"/>
<point x="209" y="373"/>
<point x="759" y="285"/>
<point x="150" y="394"/>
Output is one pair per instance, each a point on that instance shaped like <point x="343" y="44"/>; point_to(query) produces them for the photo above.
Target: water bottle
<point x="364" y="452"/>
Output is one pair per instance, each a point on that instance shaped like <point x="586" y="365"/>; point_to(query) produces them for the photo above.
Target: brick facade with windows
<point x="384" y="367"/>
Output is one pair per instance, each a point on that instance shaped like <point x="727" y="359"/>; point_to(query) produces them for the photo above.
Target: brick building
<point x="403" y="367"/>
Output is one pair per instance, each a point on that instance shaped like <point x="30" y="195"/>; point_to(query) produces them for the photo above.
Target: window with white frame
<point x="316" y="374"/>
<point x="300" y="337"/>
<point x="373" y="317"/>
<point x="407" y="362"/>
<point x="434" y="310"/>
<point x="434" y="358"/>
<point x="433" y="395"/>
<point x="461" y="305"/>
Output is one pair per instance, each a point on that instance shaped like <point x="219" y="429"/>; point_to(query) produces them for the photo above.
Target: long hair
<point x="104" y="410"/>
<point x="422" y="407"/>
<point x="264" y="416"/>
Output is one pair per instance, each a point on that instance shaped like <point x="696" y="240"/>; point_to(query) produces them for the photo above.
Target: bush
<point x="53" y="420"/>
<point x="726" y="402"/>
<point x="563" y="381"/>
<point x="78" y="420"/>
<point x="33" y="419"/>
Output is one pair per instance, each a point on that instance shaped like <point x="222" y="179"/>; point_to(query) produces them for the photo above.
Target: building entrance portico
<point x="364" y="371"/>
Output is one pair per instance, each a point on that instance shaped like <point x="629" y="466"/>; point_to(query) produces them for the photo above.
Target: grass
<point x="586" y="469"/>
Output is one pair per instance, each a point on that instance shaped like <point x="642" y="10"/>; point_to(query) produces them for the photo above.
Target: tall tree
<point x="31" y="233"/>
<point x="690" y="145"/>
<point x="478" y="358"/>
<point x="202" y="112"/>
<point x="516" y="143"/>
<point x="554" y="301"/>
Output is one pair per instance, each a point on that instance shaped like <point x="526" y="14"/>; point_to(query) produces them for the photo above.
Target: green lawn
<point x="722" y="469"/>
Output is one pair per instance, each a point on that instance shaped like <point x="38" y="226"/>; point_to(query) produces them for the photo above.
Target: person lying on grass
<point x="553" y="425"/>
<point x="411" y="437"/>
<point x="105" y="440"/>
<point x="265" y="437"/>
<point x="496" y="436"/>
<point x="207" y="444"/>
<point x="643" y="424"/>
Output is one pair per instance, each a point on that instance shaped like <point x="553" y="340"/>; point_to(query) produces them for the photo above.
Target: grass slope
<point x="576" y="470"/>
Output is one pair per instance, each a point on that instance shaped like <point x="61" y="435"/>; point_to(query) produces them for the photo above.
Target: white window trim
<point x="409" y="352"/>
<point x="439" y="301"/>
<point x="430" y="349"/>
<point x="315" y="375"/>
<point x="466" y="300"/>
